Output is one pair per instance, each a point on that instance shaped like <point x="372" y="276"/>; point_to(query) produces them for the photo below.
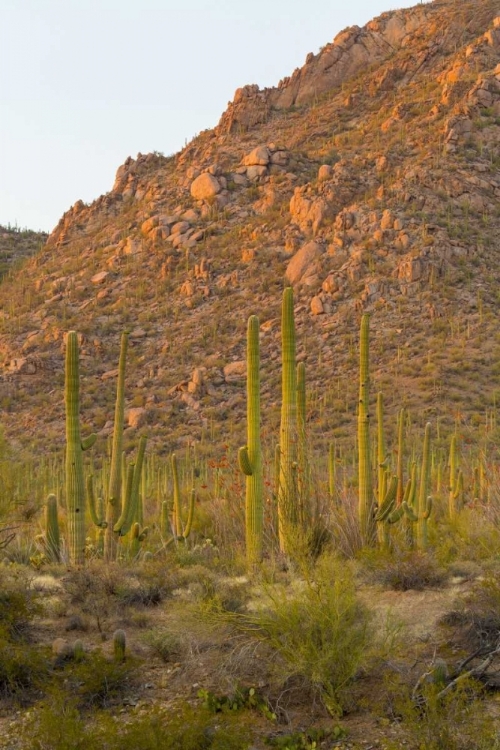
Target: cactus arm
<point x="409" y="512"/>
<point x="189" y="523"/>
<point x="97" y="520"/>
<point x="396" y="515"/>
<point x="428" y="508"/>
<point x="128" y="510"/>
<point x="244" y="461"/>
<point x="388" y="502"/>
<point x="88" y="442"/>
<point x="381" y="517"/>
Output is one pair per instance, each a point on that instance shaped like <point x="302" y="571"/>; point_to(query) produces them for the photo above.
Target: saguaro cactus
<point x="399" y="471"/>
<point x="250" y="456"/>
<point x="52" y="537"/>
<point x="423" y="502"/>
<point x="366" y="498"/>
<point x="131" y="496"/>
<point x="181" y="531"/>
<point x="386" y="492"/>
<point x="287" y="493"/>
<point x="456" y="481"/>
<point x="113" y="508"/>
<point x="75" y="484"/>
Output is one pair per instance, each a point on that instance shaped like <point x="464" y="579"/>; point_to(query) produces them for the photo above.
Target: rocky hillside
<point x="369" y="180"/>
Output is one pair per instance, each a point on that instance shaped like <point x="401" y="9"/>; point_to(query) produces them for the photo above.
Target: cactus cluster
<point x="117" y="507"/>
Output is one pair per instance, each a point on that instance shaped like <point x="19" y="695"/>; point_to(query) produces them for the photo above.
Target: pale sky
<point x="86" y="83"/>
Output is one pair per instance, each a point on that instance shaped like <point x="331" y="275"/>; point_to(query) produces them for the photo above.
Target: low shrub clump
<point x="404" y="571"/>
<point x="318" y="632"/>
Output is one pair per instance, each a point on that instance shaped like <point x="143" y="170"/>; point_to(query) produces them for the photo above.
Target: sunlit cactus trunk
<point x="424" y="501"/>
<point x="75" y="484"/>
<point x="287" y="492"/>
<point x="113" y="507"/>
<point x="456" y="481"/>
<point x="250" y="456"/>
<point x="366" y="498"/>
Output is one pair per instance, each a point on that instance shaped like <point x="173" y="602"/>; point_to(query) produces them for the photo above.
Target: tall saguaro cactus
<point x="250" y="455"/>
<point x="366" y="498"/>
<point x="456" y="481"/>
<point x="418" y="509"/>
<point x="180" y="530"/>
<point x="113" y="508"/>
<point x="75" y="484"/>
<point x="287" y="493"/>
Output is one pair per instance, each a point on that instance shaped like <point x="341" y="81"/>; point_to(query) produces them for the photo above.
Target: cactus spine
<point x="287" y="493"/>
<point x="366" y="498"/>
<point x="250" y="456"/>
<point x="75" y="484"/>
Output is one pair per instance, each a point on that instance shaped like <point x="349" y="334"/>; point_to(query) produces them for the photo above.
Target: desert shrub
<point x="23" y="669"/>
<point x="18" y="605"/>
<point x="212" y="590"/>
<point x="403" y="571"/>
<point x="319" y="631"/>
<point x="477" y="615"/>
<point x="97" y="681"/>
<point x="95" y="591"/>
<point x="61" y="726"/>
<point x="455" y="721"/>
<point x="165" y="644"/>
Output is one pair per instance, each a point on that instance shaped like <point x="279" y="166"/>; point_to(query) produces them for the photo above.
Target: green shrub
<point x="57" y="725"/>
<point x="319" y="631"/>
<point x="23" y="669"/>
<point x="457" y="721"/>
<point x="97" y="681"/>
<point x="165" y="644"/>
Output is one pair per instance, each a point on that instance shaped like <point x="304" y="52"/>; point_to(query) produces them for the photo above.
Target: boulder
<point x="204" y="187"/>
<point x="260" y="156"/>
<point x="304" y="265"/>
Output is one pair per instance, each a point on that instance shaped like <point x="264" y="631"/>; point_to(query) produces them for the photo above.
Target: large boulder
<point x="204" y="187"/>
<point x="304" y="267"/>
